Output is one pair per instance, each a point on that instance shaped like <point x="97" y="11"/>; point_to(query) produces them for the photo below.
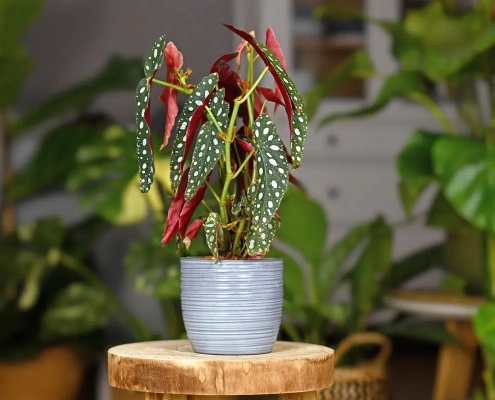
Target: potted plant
<point x="231" y="300"/>
<point x="52" y="305"/>
<point x="447" y="46"/>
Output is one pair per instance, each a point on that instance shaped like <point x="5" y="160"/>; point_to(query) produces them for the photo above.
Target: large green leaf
<point x="445" y="43"/>
<point x="302" y="214"/>
<point x="334" y="259"/>
<point x="195" y="100"/>
<point x="299" y="121"/>
<point x="412" y="266"/>
<point x="294" y="286"/>
<point x="54" y="159"/>
<point x="466" y="171"/>
<point x="359" y="65"/>
<point x="266" y="193"/>
<point x="15" y="66"/>
<point x="77" y="310"/>
<point x="398" y="85"/>
<point x="15" y="18"/>
<point x="442" y="214"/>
<point x="415" y="167"/>
<point x="209" y="146"/>
<point x="484" y="326"/>
<point x="119" y="74"/>
<point x="374" y="261"/>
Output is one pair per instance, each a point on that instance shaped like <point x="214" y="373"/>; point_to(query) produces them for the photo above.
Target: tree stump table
<point x="171" y="370"/>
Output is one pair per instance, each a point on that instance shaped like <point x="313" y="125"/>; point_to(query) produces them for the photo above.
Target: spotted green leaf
<point x="299" y="121"/>
<point x="196" y="99"/>
<point x="237" y="205"/>
<point x="266" y="193"/>
<point x="143" y="135"/>
<point x="209" y="145"/>
<point x="143" y="130"/>
<point x="211" y="230"/>
<point x="260" y="237"/>
<point x="155" y="59"/>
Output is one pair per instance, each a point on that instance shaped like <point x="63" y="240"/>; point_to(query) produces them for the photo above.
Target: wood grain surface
<point x="172" y="367"/>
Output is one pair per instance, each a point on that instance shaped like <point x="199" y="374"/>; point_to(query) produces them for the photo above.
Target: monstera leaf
<point x="415" y="167"/>
<point x="466" y="172"/>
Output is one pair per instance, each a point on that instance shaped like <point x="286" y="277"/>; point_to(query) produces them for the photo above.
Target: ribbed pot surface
<point x="233" y="307"/>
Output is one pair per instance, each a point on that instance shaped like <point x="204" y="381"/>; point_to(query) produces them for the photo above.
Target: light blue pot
<point x="233" y="307"/>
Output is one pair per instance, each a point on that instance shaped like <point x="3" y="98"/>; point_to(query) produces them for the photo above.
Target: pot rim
<point x="243" y="261"/>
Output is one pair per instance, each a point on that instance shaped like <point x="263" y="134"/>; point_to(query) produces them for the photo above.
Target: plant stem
<point x="230" y="135"/>
<point x="244" y="163"/>
<point x="7" y="212"/>
<point x="212" y="190"/>
<point x="250" y="53"/>
<point x="172" y="86"/>
<point x="488" y="374"/>
<point x="238" y="233"/>
<point x="213" y="119"/>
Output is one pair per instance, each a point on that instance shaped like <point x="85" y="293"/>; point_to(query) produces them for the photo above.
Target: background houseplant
<point x="52" y="304"/>
<point x="445" y="45"/>
<point x="253" y="175"/>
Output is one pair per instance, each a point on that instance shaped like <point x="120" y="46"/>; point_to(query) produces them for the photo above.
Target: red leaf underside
<point x="189" y="208"/>
<point x="174" y="60"/>
<point x="173" y="216"/>
<point x="193" y="231"/>
<point x="273" y="44"/>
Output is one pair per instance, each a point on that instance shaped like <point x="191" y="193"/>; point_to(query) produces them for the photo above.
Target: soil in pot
<point x="464" y="257"/>
<point x="56" y="374"/>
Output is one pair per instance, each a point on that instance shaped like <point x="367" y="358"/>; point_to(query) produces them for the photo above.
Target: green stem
<point x="435" y="110"/>
<point x="230" y="135"/>
<point x="490" y="264"/>
<point x="250" y="52"/>
<point x="170" y="85"/>
<point x="212" y="190"/>
<point x="241" y="167"/>
<point x="238" y="233"/>
<point x="208" y="110"/>
<point x="138" y="330"/>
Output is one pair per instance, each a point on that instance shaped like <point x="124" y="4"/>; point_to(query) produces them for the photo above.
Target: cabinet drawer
<point x="356" y="192"/>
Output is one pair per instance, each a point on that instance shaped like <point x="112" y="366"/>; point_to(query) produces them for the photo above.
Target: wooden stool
<point x="455" y="363"/>
<point x="170" y="370"/>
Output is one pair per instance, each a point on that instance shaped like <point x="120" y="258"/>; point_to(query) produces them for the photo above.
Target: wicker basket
<point x="365" y="381"/>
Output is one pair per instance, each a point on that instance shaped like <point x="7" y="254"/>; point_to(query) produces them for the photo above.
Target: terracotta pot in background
<point x="56" y="374"/>
<point x="366" y="381"/>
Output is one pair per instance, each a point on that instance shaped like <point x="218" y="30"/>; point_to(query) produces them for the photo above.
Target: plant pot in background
<point x="232" y="307"/>
<point x="464" y="257"/>
<point x="56" y="374"/>
<point x="366" y="381"/>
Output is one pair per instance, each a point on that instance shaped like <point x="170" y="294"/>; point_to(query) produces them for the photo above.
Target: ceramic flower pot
<point x="232" y="307"/>
<point x="366" y="381"/>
